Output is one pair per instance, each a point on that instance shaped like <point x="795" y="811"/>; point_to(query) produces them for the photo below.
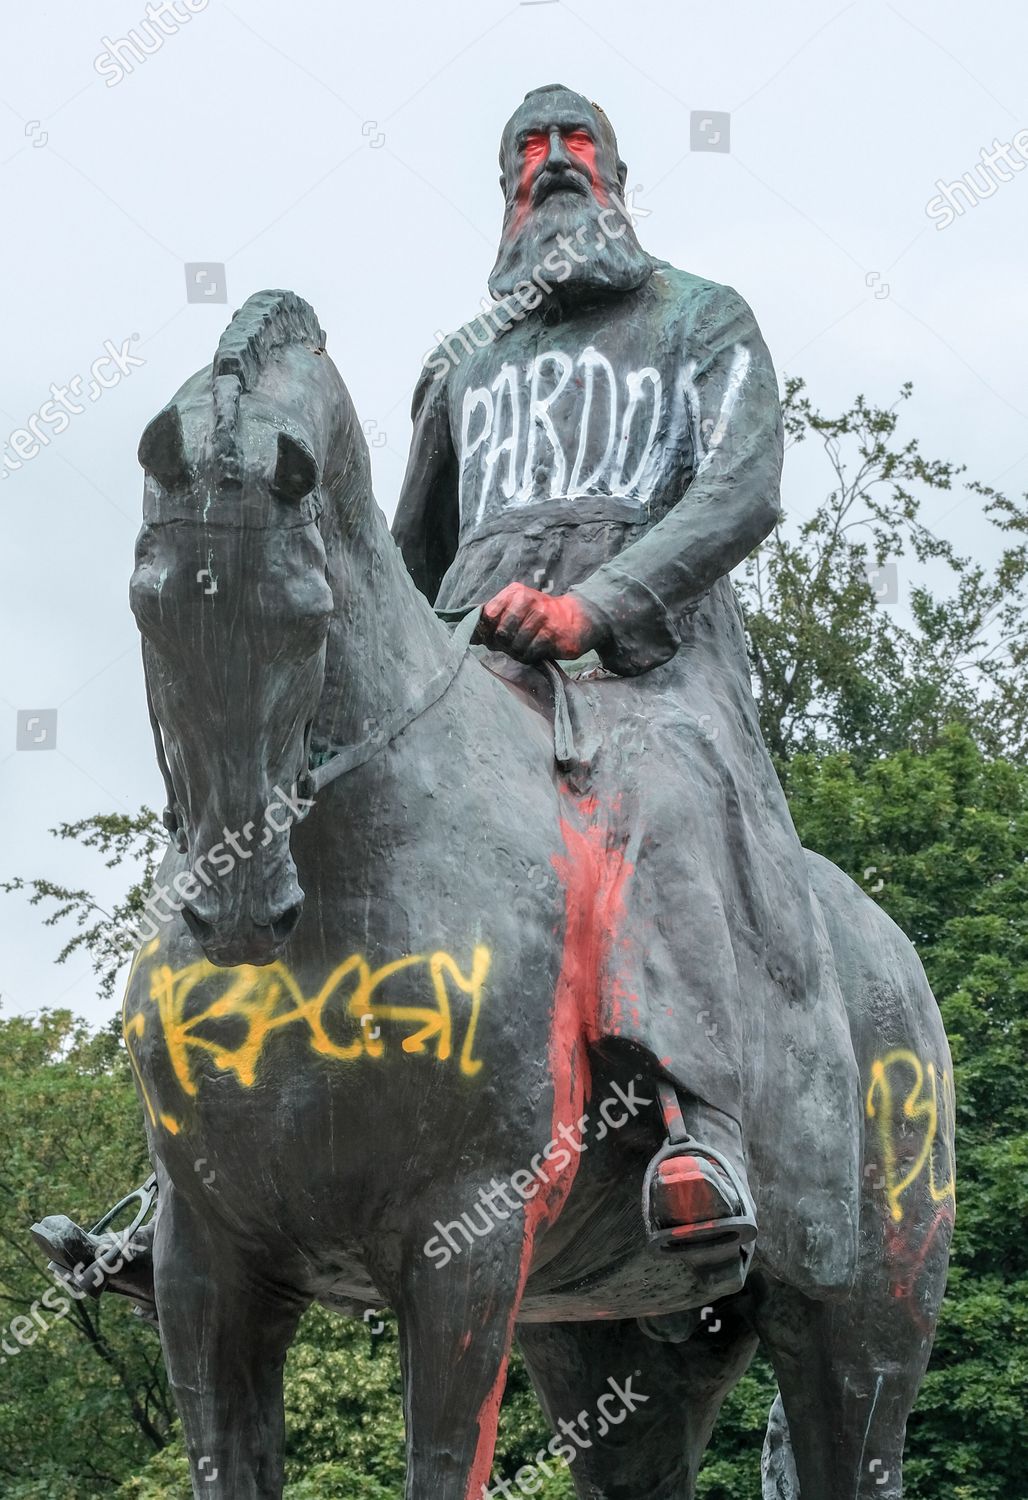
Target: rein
<point x="348" y="757"/>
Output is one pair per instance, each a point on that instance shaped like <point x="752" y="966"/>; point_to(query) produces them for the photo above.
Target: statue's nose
<point x="558" y="155"/>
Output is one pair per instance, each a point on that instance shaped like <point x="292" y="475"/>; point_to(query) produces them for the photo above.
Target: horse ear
<point x="296" y="472"/>
<point x="162" y="451"/>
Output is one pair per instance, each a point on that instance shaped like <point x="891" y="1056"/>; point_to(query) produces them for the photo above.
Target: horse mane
<point x="267" y="321"/>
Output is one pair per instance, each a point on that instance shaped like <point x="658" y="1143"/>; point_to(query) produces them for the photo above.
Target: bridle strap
<point x="171" y="821"/>
<point x="565" y="750"/>
<point x="348" y="757"/>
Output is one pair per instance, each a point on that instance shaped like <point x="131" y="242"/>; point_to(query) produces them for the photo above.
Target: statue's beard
<point x="610" y="258"/>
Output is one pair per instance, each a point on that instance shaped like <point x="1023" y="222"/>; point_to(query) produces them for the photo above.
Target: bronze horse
<point x="400" y="1097"/>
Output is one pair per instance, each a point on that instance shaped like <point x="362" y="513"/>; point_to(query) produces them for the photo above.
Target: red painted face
<point x="579" y="144"/>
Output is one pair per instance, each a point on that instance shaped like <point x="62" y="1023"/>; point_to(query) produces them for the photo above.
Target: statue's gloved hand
<point x="533" y="626"/>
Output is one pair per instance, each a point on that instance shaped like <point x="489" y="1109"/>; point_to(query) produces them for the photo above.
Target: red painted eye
<point x="536" y="148"/>
<point x="579" y="141"/>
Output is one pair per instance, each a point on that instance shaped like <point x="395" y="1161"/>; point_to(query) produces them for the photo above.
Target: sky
<point x="157" y="168"/>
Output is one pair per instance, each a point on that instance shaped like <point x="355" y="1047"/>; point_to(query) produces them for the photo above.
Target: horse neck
<point x="385" y="644"/>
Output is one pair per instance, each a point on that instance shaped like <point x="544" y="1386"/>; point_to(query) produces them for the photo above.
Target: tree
<point x="833" y="668"/>
<point x="85" y="1398"/>
<point x="107" y="936"/>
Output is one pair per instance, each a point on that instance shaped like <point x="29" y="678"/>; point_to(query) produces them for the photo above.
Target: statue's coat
<point x="630" y="451"/>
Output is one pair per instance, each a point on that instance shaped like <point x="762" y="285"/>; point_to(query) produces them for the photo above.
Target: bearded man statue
<point x="590" y="459"/>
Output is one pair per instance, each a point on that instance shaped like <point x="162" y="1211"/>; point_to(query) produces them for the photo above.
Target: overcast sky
<point x="349" y="153"/>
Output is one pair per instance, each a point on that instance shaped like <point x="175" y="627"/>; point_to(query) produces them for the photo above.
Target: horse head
<point x="232" y="597"/>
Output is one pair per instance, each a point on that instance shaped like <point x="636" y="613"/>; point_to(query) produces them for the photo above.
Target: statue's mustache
<point x="552" y="180"/>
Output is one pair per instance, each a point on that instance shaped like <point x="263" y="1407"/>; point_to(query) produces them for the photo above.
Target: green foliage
<point x="344" y="1408"/>
<point x="835" y="670"/>
<point x="731" y="1468"/>
<point x="107" y="936"/>
<point x="83" y="1396"/>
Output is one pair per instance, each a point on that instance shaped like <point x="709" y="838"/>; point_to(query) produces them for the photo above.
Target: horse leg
<point x="588" y="1375"/>
<point x="225" y="1332"/>
<point x="848" y="1373"/>
<point x="456" y="1319"/>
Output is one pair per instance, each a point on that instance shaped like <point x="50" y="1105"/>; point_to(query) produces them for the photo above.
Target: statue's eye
<point x="536" y="148"/>
<point x="579" y="140"/>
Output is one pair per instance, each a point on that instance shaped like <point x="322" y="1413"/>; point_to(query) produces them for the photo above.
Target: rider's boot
<point x="696" y="1199"/>
<point x="92" y="1261"/>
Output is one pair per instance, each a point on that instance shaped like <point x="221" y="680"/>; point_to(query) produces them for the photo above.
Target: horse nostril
<point x="228" y="940"/>
<point x="198" y="927"/>
<point x="284" y="926"/>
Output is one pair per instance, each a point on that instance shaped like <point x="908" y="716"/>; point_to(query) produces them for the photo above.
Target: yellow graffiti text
<point x="191" y="1002"/>
<point x="904" y="1088"/>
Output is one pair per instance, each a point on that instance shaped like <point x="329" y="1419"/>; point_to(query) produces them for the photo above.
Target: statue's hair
<point x="263" y="324"/>
<point x="562" y="88"/>
<point x="550" y="88"/>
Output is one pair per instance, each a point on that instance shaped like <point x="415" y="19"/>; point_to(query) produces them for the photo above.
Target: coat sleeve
<point x="729" y="506"/>
<point x="427" y="521"/>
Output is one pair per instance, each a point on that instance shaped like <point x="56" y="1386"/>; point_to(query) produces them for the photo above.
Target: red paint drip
<point x="489" y="1412"/>
<point x="537" y="148"/>
<point x="593" y="875"/>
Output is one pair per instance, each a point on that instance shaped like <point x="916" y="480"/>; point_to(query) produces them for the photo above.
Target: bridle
<point x="324" y="767"/>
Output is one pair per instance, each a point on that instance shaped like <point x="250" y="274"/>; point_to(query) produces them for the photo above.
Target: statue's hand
<point x="534" y="626"/>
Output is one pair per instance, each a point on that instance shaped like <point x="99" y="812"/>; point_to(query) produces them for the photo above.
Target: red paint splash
<point x="593" y="872"/>
<point x="907" y="1260"/>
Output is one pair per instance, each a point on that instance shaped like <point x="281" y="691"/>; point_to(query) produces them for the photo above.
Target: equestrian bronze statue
<point x="495" y="985"/>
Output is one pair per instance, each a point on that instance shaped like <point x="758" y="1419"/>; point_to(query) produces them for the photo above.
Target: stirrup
<point x="702" y="1172"/>
<point x="51" y="1233"/>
